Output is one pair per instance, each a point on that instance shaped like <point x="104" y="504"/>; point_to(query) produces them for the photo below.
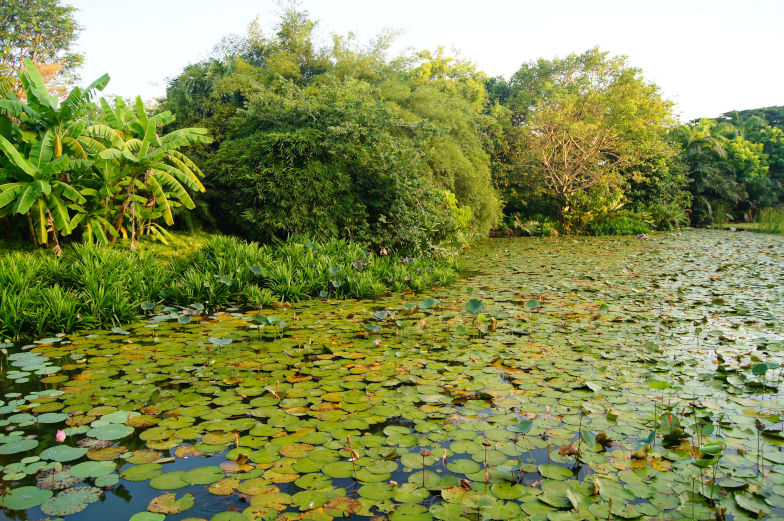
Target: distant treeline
<point x="419" y="152"/>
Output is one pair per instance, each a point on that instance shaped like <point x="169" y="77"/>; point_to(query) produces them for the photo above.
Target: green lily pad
<point x="142" y="472"/>
<point x="51" y="417"/>
<point x="110" y="432"/>
<point x="63" y="453"/>
<point x="203" y="475"/>
<point x="93" y="469"/>
<point x="18" y="446"/>
<point x="377" y="491"/>
<point x="147" y="516"/>
<point x="169" y="481"/>
<point x="23" y="498"/>
<point x="410" y="493"/>
<point x="463" y="466"/>
<point x="108" y="480"/>
<point x="551" y="471"/>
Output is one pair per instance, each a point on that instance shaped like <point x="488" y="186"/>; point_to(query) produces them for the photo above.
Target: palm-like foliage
<point x="150" y="168"/>
<point x="62" y="172"/>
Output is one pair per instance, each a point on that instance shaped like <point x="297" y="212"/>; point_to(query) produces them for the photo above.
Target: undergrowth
<point x="97" y="287"/>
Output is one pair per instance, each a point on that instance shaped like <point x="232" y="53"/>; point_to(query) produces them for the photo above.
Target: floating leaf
<point x="93" y="469"/>
<point x="23" y="498"/>
<point x="169" y="504"/>
<point x="63" y="453"/>
<point x="71" y="501"/>
<point x="111" y="432"/>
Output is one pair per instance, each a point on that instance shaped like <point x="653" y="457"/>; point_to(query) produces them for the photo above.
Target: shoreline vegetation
<point x="93" y="286"/>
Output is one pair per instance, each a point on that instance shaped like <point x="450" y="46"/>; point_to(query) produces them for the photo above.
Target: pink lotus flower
<point x="59" y="436"/>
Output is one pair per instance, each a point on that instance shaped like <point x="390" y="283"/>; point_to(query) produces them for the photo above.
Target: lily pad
<point x="110" y="432"/>
<point x="63" y="453"/>
<point x="71" y="501"/>
<point x="23" y="498"/>
<point x="169" y="504"/>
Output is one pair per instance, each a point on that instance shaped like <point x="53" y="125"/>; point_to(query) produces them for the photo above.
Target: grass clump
<point x="95" y="287"/>
<point x="770" y="220"/>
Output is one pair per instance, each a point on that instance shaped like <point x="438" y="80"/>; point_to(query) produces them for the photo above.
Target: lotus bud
<point x="59" y="436"/>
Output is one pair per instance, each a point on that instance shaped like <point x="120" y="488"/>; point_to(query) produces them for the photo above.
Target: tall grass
<point x="770" y="220"/>
<point x="98" y="287"/>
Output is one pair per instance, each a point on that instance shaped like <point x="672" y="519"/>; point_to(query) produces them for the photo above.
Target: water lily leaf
<point x="57" y="478"/>
<point x="17" y="446"/>
<point x="410" y="512"/>
<point x="463" y="466"/>
<point x="169" y="481"/>
<point x="507" y="491"/>
<point x="169" y="504"/>
<point x="70" y="501"/>
<point x="108" y="480"/>
<point x="93" y="469"/>
<point x="751" y="503"/>
<point x="410" y="493"/>
<point x="557" y="472"/>
<point x="111" y="432"/>
<point x="343" y="506"/>
<point x="141" y="472"/>
<point x="474" y="306"/>
<point x="377" y="491"/>
<point x="51" y="417"/>
<point x="23" y="498"/>
<point x="203" y="475"/>
<point x="522" y="427"/>
<point x="147" y="516"/>
<point x="63" y="453"/>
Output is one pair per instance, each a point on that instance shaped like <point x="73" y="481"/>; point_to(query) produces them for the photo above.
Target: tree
<point x="589" y="125"/>
<point x="728" y="174"/>
<point x="42" y="31"/>
<point x="340" y="141"/>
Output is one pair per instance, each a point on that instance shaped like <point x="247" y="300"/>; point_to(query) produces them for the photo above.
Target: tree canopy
<point x="43" y="31"/>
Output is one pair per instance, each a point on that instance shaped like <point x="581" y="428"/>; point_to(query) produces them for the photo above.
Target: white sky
<point x="708" y="56"/>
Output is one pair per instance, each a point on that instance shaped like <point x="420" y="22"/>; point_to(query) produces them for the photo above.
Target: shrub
<point x="619" y="225"/>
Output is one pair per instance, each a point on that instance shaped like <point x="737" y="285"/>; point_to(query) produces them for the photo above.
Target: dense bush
<point x="93" y="286"/>
<point x="341" y="141"/>
<point x="622" y="224"/>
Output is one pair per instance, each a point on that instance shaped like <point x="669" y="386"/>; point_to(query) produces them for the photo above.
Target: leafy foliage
<point x="61" y="172"/>
<point x="582" y="129"/>
<point x="340" y="141"/>
<point x="94" y="286"/>
<point x="42" y="31"/>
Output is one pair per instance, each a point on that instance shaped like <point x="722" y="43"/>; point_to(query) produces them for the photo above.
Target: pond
<point x="561" y="379"/>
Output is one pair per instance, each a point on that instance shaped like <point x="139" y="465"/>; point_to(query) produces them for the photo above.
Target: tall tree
<point x="589" y="124"/>
<point x="44" y="32"/>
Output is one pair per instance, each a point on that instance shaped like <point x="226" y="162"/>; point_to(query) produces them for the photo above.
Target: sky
<point x="707" y="56"/>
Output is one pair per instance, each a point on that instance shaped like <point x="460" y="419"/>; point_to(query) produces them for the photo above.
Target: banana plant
<point x="34" y="187"/>
<point x="43" y="113"/>
<point x="44" y="148"/>
<point x="149" y="164"/>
